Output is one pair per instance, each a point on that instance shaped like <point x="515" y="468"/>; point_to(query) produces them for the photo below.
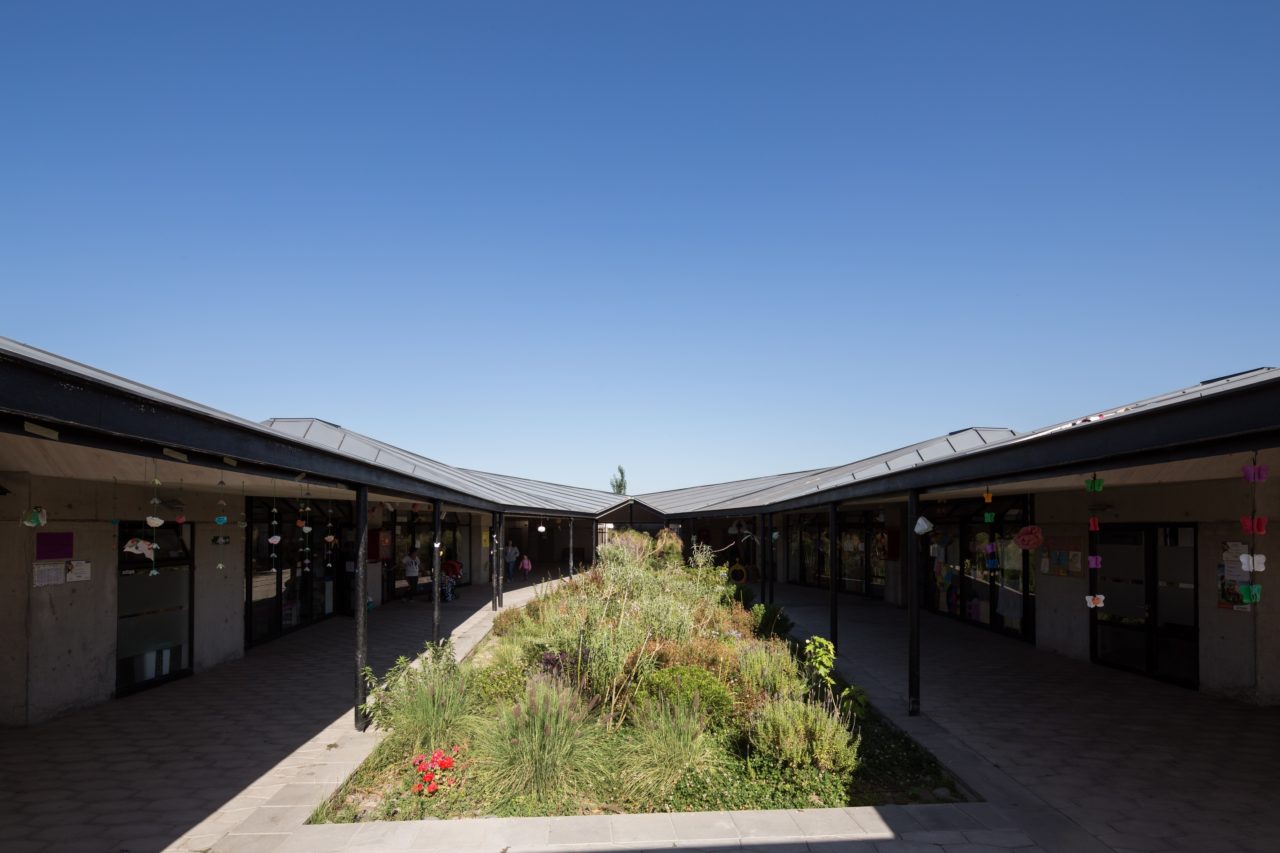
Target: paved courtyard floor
<point x="1129" y="762"/>
<point x="1069" y="758"/>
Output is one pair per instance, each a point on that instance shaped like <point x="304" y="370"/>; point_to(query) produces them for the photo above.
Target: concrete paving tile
<point x="1133" y="842"/>
<point x="998" y="838"/>
<point x="987" y="815"/>
<point x="766" y="824"/>
<point x="273" y="819"/>
<point x="505" y="832"/>
<point x="248" y="844"/>
<point x="325" y="838"/>
<point x="817" y="823"/>
<point x="701" y="826"/>
<point x="385" y="835"/>
<point x="883" y="821"/>
<point x="300" y="794"/>
<point x="580" y="829"/>
<point x="449" y="834"/>
<point x="936" y="836"/>
<point x="906" y="847"/>
<point x="642" y="829"/>
<point x="941" y="817"/>
<point x="769" y="845"/>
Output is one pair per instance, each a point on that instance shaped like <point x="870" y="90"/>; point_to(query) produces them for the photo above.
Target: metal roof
<point x="763" y="491"/>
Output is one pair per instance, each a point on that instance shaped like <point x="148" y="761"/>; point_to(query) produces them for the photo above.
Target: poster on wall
<point x="1231" y="576"/>
<point x="49" y="572"/>
<point x="78" y="570"/>
<point x="1062" y="557"/>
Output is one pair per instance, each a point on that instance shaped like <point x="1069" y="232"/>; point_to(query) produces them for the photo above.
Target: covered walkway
<point x="1081" y="755"/>
<point x="194" y="759"/>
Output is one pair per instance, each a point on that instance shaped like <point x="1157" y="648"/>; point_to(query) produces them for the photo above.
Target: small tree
<point x="618" y="482"/>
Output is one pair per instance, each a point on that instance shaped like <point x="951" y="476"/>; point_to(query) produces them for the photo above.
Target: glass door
<point x="1149" y="622"/>
<point x="154" y="607"/>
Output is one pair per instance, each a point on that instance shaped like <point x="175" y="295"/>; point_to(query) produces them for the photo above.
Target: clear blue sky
<point x="705" y="240"/>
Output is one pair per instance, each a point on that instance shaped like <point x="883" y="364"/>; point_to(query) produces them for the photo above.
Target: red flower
<point x="428" y="777"/>
<point x="437" y="755"/>
<point x="431" y="789"/>
<point x="417" y="789"/>
<point x="419" y="758"/>
<point x="445" y="763"/>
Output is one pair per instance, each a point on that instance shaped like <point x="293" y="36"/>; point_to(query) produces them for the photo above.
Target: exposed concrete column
<point x="362" y="594"/>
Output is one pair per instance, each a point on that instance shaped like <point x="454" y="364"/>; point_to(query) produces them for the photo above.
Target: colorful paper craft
<point x="1029" y="538"/>
<point x="1256" y="473"/>
<point x="1250" y="593"/>
<point x="274" y="540"/>
<point x="154" y="521"/>
<point x="1253" y="562"/>
<point x="1095" y="561"/>
<point x="989" y="517"/>
<point x="993" y="563"/>
<point x="987" y="497"/>
<point x="990" y="547"/>
<point x="1094" y="527"/>
<point x="1093" y="484"/>
<point x="219" y="520"/>
<point x="1095" y="601"/>
<point x="1254" y="524"/>
<point x="141" y="546"/>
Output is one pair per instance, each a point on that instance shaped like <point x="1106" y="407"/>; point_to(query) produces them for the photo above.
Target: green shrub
<point x="668" y="550"/>
<point x="506" y="622"/>
<point x="664" y="741"/>
<point x="770" y="669"/>
<point x="801" y="734"/>
<point x="757" y="783"/>
<point x="692" y="687"/>
<point x="424" y="704"/>
<point x="744" y="594"/>
<point x="771" y="621"/>
<point x="502" y="680"/>
<point x="545" y="748"/>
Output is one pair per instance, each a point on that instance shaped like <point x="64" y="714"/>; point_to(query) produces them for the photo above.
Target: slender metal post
<point x="762" y="563"/>
<point x="913" y="605"/>
<point x="435" y="570"/>
<point x="571" y="547"/>
<point x="772" y="561"/>
<point x="833" y="534"/>
<point x="362" y="612"/>
<point x="493" y="562"/>
<point x="502" y="556"/>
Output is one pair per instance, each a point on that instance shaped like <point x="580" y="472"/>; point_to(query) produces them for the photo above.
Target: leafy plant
<point x="796" y="733"/>
<point x="422" y="702"/>
<point x="618" y="482"/>
<point x="769" y="620"/>
<point x="769" y="669"/>
<point x="664" y="742"/>
<point x="694" y="688"/>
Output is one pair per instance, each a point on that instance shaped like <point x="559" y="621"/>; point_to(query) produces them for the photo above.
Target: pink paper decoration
<point x="1029" y="538"/>
<point x="1095" y="561"/>
<point x="1093" y="524"/>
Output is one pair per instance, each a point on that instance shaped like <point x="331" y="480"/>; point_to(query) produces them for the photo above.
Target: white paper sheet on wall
<point x="49" y="572"/>
<point x="79" y="570"/>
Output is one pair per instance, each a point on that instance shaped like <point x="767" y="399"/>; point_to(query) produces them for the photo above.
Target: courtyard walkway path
<point x="1085" y="757"/>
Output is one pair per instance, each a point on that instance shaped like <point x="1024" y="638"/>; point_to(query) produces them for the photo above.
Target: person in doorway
<point x="412" y="569"/>
<point x="526" y="566"/>
<point x="509" y="556"/>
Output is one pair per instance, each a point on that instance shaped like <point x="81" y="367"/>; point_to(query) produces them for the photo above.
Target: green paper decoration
<point x="989" y="517"/>
<point x="1093" y="484"/>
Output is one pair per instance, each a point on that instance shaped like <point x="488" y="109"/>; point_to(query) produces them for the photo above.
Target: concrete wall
<point x="58" y="642"/>
<point x="16" y="554"/>
<point x="1231" y="661"/>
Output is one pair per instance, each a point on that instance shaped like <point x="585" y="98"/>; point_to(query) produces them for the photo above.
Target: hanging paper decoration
<point x="155" y="521"/>
<point x="1095" y="561"/>
<point x="990" y="547"/>
<point x="1093" y="484"/>
<point x="1094" y="527"/>
<point x="1253" y="562"/>
<point x="1029" y="538"/>
<point x="1250" y="593"/>
<point x="180" y="519"/>
<point x="274" y="540"/>
<point x="35" y="517"/>
<point x="329" y="538"/>
<point x="923" y="525"/>
<point x="993" y="563"/>
<point x="142" y="547"/>
<point x="115" y="502"/>
<point x="1095" y="601"/>
<point x="1256" y="473"/>
<point x="1254" y="524"/>
<point x="219" y="520"/>
<point x="300" y="522"/>
<point x="987" y="497"/>
<point x="989" y="517"/>
<point x="222" y="540"/>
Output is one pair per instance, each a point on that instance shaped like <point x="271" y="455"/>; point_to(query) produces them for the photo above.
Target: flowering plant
<point x="435" y="769"/>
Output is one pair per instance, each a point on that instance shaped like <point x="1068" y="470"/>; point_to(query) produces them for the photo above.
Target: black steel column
<point x="493" y="562"/>
<point x="435" y="570"/>
<point x="362" y="612"/>
<point x="570" y="547"/>
<point x="913" y="605"/>
<point x="502" y="554"/>
<point x="773" y="558"/>
<point x="833" y="534"/>
<point x="762" y="563"/>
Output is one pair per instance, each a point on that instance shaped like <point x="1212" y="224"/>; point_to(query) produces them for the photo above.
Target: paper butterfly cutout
<point x="990" y="548"/>
<point x="274" y="540"/>
<point x="180" y="519"/>
<point x="1095" y="561"/>
<point x="993" y="563"/>
<point x="153" y="521"/>
<point x="989" y="517"/>
<point x="1095" y="601"/>
<point x="1256" y="525"/>
<point x="1253" y="562"/>
<point x="222" y="540"/>
<point x="221" y="567"/>
<point x="219" y="519"/>
<point x="1029" y="538"/>
<point x="306" y="529"/>
<point x="300" y="523"/>
<point x="987" y="497"/>
<point x="1093" y="484"/>
<point x="140" y="546"/>
<point x="1093" y="524"/>
<point x="36" y="517"/>
<point x="155" y="502"/>
<point x="242" y="524"/>
<point x="1250" y="593"/>
<point x="1256" y="473"/>
<point x="330" y="538"/>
